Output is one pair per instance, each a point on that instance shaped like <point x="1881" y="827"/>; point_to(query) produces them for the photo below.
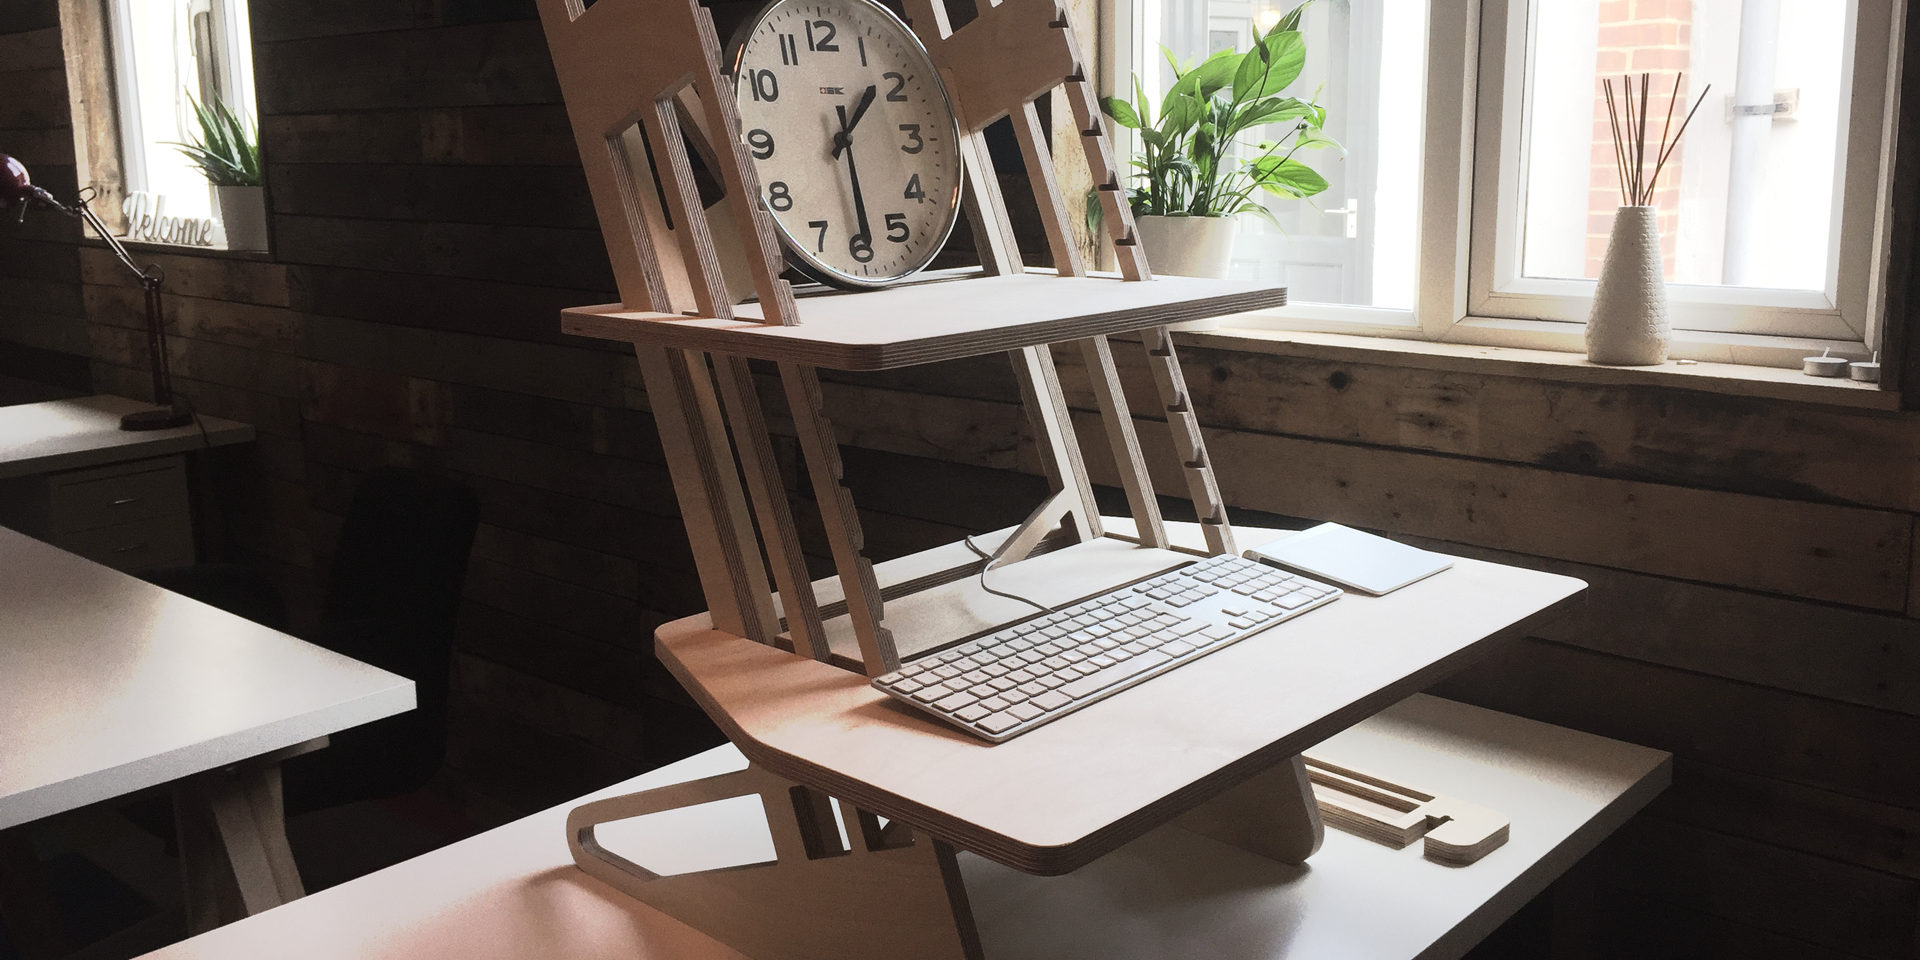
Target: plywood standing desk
<point x="110" y="685"/>
<point x="513" y="894"/>
<point x="69" y="475"/>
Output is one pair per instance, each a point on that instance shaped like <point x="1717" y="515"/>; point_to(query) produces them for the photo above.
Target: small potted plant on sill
<point x="228" y="155"/>
<point x="1198" y="171"/>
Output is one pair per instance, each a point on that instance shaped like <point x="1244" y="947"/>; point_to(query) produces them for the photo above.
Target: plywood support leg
<point x="844" y="536"/>
<point x="233" y="844"/>
<point x="700" y="461"/>
<point x="1187" y="442"/>
<point x="889" y="897"/>
<point x="1271" y="813"/>
<point x="1046" y="191"/>
<point x="1054" y="437"/>
<point x="1123" y="441"/>
<point x="770" y="507"/>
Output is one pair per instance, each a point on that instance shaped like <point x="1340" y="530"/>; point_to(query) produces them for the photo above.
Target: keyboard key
<point x="1026" y="711"/>
<point x="1242" y="624"/>
<point x="1296" y="600"/>
<point x="1002" y="683"/>
<point x="1218" y="633"/>
<point x="1051" y="700"/>
<point x="1103" y="660"/>
<point x="996" y="704"/>
<point x="906" y="686"/>
<point x="938" y="691"/>
<point x="999" y="723"/>
<point x="1057" y="679"/>
<point x="955" y="702"/>
<point x="1088" y="686"/>
<point x="1177" y="649"/>
<point x="970" y="714"/>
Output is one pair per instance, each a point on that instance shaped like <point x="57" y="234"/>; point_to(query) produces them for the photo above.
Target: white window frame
<point x="1469" y="104"/>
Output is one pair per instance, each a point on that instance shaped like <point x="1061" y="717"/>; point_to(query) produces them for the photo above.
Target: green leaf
<point x="1286" y="53"/>
<point x="1315" y="140"/>
<point x="1213" y="76"/>
<point x="1288" y="177"/>
<point x="1140" y="104"/>
<point x="1273" y="110"/>
<point x="1121" y="112"/>
<point x="1182" y="112"/>
<point x="1292" y="20"/>
<point x="1258" y="210"/>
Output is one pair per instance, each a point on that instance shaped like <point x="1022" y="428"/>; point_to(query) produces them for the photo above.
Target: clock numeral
<point x="819" y="246"/>
<point x="861" y="42"/>
<point x="762" y="144"/>
<point x="789" y="51"/>
<point x="860" y="247"/>
<point x="897" y="221"/>
<point x="899" y="84"/>
<point x="825" y="43"/>
<point x="913" y="191"/>
<point x="764" y="85"/>
<point x="778" y="197"/>
<point x="914" y="144"/>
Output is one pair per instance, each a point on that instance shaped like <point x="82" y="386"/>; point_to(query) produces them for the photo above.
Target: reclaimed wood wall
<point x="43" y="343"/>
<point x="1752" y="561"/>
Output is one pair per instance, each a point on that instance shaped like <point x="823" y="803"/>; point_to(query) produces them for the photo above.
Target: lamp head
<point x="16" y="187"/>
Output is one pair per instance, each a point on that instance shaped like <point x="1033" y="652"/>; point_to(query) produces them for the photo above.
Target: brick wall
<point x="1653" y="37"/>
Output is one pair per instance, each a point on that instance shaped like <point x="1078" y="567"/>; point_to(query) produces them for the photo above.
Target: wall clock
<point x="852" y="136"/>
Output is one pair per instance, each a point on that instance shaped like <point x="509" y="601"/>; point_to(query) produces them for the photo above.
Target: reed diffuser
<point x="1629" y="325"/>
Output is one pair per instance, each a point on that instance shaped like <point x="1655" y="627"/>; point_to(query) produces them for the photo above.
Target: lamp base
<point x="160" y="418"/>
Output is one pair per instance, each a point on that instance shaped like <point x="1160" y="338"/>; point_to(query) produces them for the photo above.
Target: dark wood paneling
<point x="520" y="195"/>
<point x="480" y="64"/>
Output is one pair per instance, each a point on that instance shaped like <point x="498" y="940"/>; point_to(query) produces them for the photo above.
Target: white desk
<point x="70" y="476"/>
<point x="109" y="685"/>
<point x="59" y="435"/>
<point x="513" y="893"/>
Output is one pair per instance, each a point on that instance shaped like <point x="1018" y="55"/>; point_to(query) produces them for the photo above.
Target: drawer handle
<point x="123" y="501"/>
<point x="130" y="549"/>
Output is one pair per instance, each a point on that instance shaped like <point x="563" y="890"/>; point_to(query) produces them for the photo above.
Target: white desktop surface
<point x="513" y="894"/>
<point x="85" y="432"/>
<point x="109" y="685"/>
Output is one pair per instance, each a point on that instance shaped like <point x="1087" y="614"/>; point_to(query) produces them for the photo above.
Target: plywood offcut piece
<point x="938" y="320"/>
<point x="1457" y="832"/>
<point x="1092" y="781"/>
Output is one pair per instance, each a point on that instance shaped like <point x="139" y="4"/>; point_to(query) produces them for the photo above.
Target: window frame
<point x="1469" y="56"/>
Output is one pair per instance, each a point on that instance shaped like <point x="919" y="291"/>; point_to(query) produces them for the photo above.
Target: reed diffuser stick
<point x="1627" y="117"/>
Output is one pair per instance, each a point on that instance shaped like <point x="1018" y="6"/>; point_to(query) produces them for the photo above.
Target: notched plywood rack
<point x="782" y="666"/>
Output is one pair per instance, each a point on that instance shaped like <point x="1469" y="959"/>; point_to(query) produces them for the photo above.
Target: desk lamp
<point x="17" y="190"/>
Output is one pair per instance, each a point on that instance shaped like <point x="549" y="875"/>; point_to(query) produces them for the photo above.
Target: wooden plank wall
<point x="43" y="344"/>
<point x="1752" y="561"/>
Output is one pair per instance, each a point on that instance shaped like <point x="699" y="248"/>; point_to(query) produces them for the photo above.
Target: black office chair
<point x="391" y="600"/>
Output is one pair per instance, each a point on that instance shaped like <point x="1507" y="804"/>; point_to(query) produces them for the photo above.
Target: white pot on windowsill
<point x="243" y="213"/>
<point x="1188" y="247"/>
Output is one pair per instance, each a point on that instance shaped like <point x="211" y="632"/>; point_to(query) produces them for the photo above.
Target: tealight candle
<point x="1824" y="366"/>
<point x="1865" y="371"/>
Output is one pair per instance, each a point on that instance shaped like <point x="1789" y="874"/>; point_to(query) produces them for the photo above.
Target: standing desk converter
<point x="867" y="804"/>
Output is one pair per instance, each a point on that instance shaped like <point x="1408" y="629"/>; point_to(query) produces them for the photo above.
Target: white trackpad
<point x="1350" y="558"/>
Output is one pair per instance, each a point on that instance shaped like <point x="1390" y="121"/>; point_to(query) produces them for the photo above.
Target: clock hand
<point x="844" y="138"/>
<point x="840" y="141"/>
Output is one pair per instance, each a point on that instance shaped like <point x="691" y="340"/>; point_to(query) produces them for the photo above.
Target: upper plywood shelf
<point x="935" y="320"/>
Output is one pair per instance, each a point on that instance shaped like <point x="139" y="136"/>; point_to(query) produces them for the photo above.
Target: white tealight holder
<point x="1824" y="366"/>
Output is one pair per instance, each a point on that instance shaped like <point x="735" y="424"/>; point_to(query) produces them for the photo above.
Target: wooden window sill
<point x="1724" y="378"/>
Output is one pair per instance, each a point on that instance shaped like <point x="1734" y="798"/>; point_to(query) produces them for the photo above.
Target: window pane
<point x="1355" y="243"/>
<point x="168" y="50"/>
<point x="1748" y="198"/>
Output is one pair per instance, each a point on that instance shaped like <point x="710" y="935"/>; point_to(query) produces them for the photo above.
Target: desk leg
<point x="233" y="844"/>
<point x="1271" y="813"/>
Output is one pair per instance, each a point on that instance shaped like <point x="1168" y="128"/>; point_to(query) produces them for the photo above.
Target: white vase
<point x="1629" y="325"/>
<point x="1188" y="247"/>
<point x="243" y="212"/>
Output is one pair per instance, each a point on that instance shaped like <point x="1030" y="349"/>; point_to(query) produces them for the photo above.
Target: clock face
<point x="852" y="136"/>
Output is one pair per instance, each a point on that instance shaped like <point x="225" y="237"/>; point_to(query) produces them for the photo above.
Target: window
<point x="164" y="53"/>
<point x="1479" y="155"/>
<point x="1354" y="244"/>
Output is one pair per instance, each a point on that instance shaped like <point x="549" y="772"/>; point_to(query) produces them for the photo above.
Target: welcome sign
<point x="147" y="220"/>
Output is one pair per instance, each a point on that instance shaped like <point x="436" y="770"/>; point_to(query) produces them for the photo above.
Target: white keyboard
<point x="1017" y="678"/>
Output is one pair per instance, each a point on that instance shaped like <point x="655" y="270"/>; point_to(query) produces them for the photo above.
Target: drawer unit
<point x="140" y="545"/>
<point x="86" y="499"/>
<point x="131" y="516"/>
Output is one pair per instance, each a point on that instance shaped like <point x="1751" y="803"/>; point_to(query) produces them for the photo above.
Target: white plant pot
<point x="1629" y="325"/>
<point x="1188" y="247"/>
<point x="243" y="213"/>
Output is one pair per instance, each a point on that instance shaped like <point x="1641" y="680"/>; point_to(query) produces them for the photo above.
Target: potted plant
<point x="1198" y="172"/>
<point x="228" y="154"/>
